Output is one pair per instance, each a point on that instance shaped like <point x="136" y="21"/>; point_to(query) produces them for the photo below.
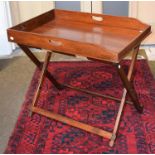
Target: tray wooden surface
<point x="96" y="36"/>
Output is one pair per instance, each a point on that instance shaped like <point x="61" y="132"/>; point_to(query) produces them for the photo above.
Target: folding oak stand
<point x="95" y="36"/>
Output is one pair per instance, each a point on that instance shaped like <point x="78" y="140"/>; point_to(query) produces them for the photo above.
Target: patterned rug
<point x="42" y="135"/>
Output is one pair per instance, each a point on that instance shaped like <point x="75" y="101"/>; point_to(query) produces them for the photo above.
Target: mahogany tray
<point x="98" y="36"/>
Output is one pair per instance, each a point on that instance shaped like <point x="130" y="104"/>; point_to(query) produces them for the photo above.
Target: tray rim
<point x="118" y="56"/>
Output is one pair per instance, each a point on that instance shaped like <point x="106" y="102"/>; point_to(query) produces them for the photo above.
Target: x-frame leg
<point x="41" y="79"/>
<point x="59" y="117"/>
<point x="125" y="79"/>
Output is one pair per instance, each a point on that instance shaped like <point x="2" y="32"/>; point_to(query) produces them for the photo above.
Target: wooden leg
<point x="59" y="117"/>
<point x="125" y="79"/>
<point x="43" y="72"/>
<point x="39" y="65"/>
<point x="128" y="89"/>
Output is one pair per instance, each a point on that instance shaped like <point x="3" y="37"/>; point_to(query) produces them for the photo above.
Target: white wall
<point x="144" y="11"/>
<point x="24" y="10"/>
<point x="5" y="22"/>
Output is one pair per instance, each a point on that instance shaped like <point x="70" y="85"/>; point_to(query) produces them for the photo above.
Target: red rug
<point x="42" y="135"/>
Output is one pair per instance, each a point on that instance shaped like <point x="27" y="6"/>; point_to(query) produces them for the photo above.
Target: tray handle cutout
<point x="97" y="18"/>
<point x="55" y="43"/>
